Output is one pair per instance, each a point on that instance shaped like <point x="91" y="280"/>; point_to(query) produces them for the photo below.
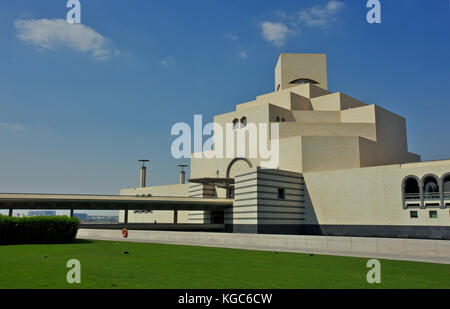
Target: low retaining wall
<point x="426" y="250"/>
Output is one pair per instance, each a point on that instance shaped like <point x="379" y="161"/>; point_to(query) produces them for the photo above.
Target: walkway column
<point x="125" y="219"/>
<point x="11" y="212"/>
<point x="71" y="213"/>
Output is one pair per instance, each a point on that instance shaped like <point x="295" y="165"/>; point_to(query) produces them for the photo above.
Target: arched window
<point x="446" y="186"/>
<point x="303" y="81"/>
<point x="430" y="187"/>
<point x="411" y="189"/>
<point x="243" y="122"/>
<point x="278" y="118"/>
<point x="283" y="120"/>
<point x="236" y="123"/>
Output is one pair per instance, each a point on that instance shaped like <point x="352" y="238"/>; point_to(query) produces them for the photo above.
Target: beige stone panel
<point x="348" y="102"/>
<point x="339" y="197"/>
<point x="290" y="154"/>
<point x="327" y="153"/>
<point x="364" y="114"/>
<point x="305" y="116"/>
<point x="366" y="130"/>
<point x="241" y="107"/>
<point x="329" y="102"/>
<point x="336" y="101"/>
<point x="316" y="91"/>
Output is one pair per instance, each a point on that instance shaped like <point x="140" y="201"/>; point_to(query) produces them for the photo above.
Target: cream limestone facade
<point x="343" y="167"/>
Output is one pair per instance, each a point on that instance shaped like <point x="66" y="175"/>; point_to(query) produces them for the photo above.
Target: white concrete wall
<point x="404" y="249"/>
<point x="370" y="196"/>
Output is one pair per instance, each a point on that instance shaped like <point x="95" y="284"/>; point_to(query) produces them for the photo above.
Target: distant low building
<point x="47" y="213"/>
<point x="82" y="217"/>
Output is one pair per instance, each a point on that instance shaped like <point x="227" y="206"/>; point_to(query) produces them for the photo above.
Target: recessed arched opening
<point x="277" y="118"/>
<point x="301" y="81"/>
<point x="411" y="187"/>
<point x="236" y="123"/>
<point x="235" y="167"/>
<point x="243" y="122"/>
<point x="233" y="162"/>
<point x="430" y="187"/>
<point x="411" y="192"/>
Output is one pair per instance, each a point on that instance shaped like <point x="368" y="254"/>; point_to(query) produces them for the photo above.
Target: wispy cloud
<point x="50" y="34"/>
<point x="274" y="32"/>
<point x="242" y="53"/>
<point x="278" y="31"/>
<point x="12" y="126"/>
<point x="167" y="61"/>
<point x="321" y="16"/>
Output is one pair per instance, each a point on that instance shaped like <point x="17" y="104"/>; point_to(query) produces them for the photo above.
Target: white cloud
<point x="231" y="36"/>
<point x="243" y="54"/>
<point x="321" y="16"/>
<point x="274" y="32"/>
<point x="167" y="61"/>
<point x="11" y="126"/>
<point x="50" y="34"/>
<point x="285" y="24"/>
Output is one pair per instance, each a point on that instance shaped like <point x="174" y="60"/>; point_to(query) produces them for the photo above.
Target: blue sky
<point x="78" y="109"/>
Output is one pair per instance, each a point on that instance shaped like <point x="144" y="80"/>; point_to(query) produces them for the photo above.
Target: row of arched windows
<point x="240" y="123"/>
<point x="430" y="190"/>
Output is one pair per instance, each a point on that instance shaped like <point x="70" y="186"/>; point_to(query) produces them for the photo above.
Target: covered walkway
<point x="108" y="202"/>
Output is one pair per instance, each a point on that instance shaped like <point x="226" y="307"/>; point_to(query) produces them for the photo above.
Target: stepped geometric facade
<point x="343" y="169"/>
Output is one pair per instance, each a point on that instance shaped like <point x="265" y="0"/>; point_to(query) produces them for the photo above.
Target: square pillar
<point x="175" y="216"/>
<point x="125" y="219"/>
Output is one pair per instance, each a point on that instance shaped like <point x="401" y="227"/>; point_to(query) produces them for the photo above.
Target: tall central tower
<point x="295" y="69"/>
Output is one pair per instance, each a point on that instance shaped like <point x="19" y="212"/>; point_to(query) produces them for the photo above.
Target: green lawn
<point x="105" y="265"/>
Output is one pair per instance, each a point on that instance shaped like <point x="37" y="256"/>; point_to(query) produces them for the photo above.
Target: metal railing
<point x="412" y="196"/>
<point x="432" y="196"/>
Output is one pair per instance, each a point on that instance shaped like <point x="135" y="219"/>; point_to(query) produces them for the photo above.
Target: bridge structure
<point x="72" y="202"/>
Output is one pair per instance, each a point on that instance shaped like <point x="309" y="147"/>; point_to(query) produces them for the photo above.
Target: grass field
<point x="104" y="264"/>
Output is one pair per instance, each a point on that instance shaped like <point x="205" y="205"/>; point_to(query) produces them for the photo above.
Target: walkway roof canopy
<point x="108" y="202"/>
